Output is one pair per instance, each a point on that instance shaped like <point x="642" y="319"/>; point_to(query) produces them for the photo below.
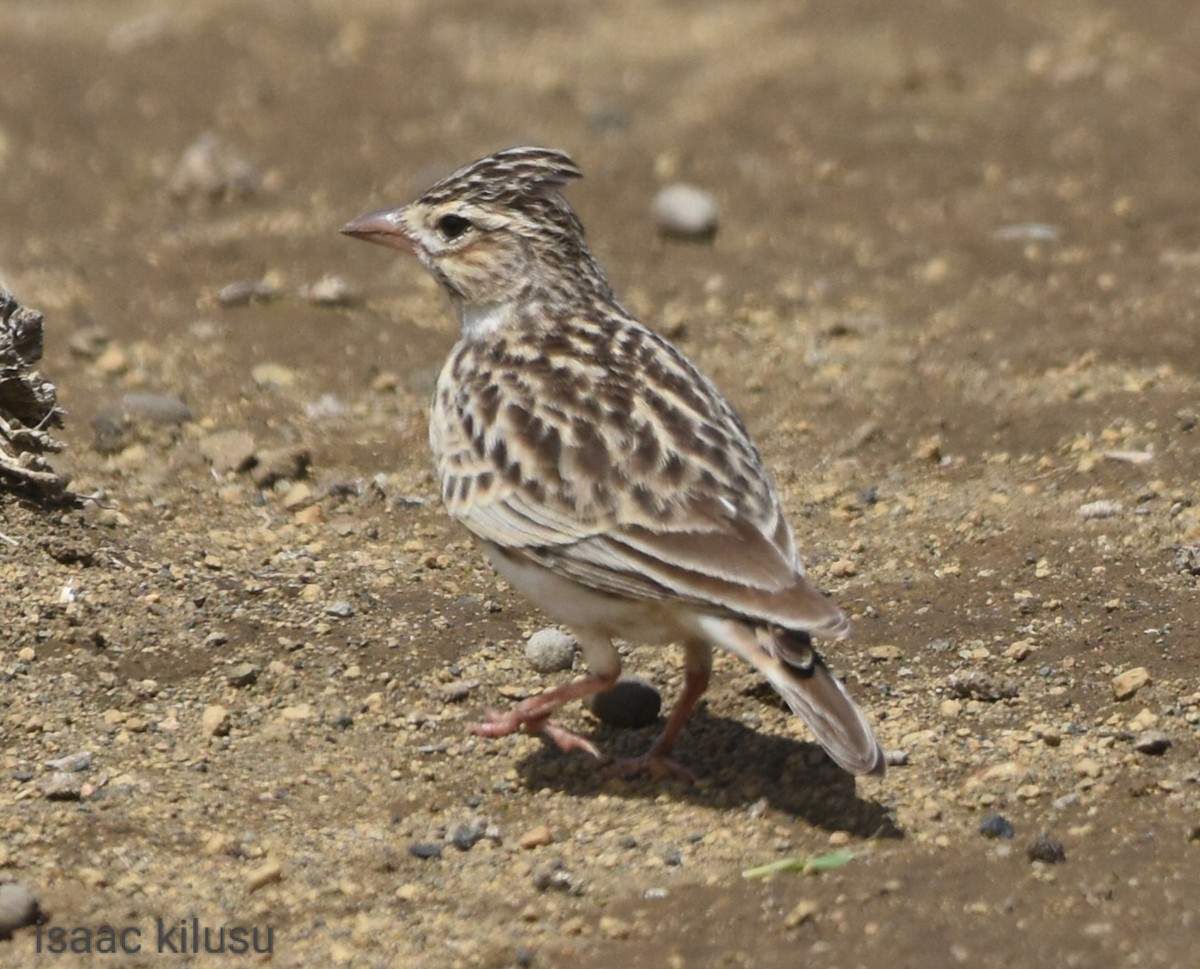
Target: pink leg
<point x="697" y="671"/>
<point x="533" y="714"/>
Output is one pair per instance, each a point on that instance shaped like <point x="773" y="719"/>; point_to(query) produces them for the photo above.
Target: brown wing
<point x="604" y="455"/>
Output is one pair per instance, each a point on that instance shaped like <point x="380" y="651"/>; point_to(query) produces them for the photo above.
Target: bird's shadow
<point x="735" y="766"/>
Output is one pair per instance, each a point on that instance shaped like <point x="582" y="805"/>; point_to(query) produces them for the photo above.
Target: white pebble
<point x="550" y="650"/>
<point x="18" y="908"/>
<point x="1100" y="509"/>
<point x="687" y="211"/>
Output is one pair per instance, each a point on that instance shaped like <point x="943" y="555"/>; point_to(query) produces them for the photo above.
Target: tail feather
<point x="797" y="672"/>
<point x="787" y="659"/>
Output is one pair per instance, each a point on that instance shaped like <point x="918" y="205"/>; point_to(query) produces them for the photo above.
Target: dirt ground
<point x="955" y="293"/>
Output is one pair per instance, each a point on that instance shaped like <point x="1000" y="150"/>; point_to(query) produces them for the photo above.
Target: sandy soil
<point x="954" y="293"/>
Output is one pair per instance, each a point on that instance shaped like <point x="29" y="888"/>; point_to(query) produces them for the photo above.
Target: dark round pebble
<point x="632" y="703"/>
<point x="425" y="850"/>
<point x="997" y="826"/>
<point x="1047" y="849"/>
<point x="673" y="857"/>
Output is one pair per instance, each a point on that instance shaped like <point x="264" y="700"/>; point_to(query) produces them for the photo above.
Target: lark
<point x="603" y="475"/>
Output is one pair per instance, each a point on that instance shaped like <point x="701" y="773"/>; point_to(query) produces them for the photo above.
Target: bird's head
<point x="495" y="231"/>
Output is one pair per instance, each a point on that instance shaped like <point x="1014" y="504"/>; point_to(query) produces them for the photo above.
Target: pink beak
<point x="385" y="228"/>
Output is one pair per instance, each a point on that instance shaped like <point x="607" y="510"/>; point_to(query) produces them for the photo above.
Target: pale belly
<point x="571" y="604"/>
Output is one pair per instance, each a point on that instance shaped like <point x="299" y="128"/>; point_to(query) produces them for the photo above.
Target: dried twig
<point x="28" y="404"/>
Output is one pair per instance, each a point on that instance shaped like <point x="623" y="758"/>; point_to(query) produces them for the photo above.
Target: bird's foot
<point x="496" y="724"/>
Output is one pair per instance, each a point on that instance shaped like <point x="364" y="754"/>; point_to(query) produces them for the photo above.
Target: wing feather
<point x="645" y="486"/>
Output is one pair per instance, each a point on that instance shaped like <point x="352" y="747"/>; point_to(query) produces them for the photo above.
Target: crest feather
<point x="508" y="175"/>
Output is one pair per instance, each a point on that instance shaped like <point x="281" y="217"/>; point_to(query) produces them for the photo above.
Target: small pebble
<point x="243" y="674"/>
<point x="280" y="464"/>
<point x="632" y="703"/>
<point x="72" y="763"/>
<point x="1046" y="849"/>
<point x="242" y="292"/>
<point x="555" y="877"/>
<point x="466" y="836"/>
<point x="997" y="826"/>
<point x="1152" y="742"/>
<point x="264" y="875"/>
<point x="61" y="786"/>
<point x="329" y="291"/>
<point x="537" y="837"/>
<point x="803" y="911"/>
<point x="686" y="212"/>
<point x="1128" y="683"/>
<point x="210" y="168"/>
<point x="271" y="374"/>
<point x="228" y="450"/>
<point x="1100" y="509"/>
<point x="18" y="908"/>
<point x="550" y="650"/>
<point x="214" y="721"/>
<point x="425" y="850"/>
<point x="342" y="609"/>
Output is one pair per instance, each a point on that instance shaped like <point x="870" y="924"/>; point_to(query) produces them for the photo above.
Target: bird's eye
<point x="452" y="226"/>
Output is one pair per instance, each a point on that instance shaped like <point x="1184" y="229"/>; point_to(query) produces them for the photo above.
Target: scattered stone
<point x="1128" y="683"/>
<point x="895" y="758"/>
<point x="112" y="362"/>
<point x="556" y="878"/>
<point x="1152" y="742"/>
<point x="243" y="292"/>
<point x="297" y="712"/>
<point x="1046" y="849"/>
<point x="1026" y="232"/>
<point x="550" y="650"/>
<point x="632" y="703"/>
<point x="329" y="291"/>
<point x="978" y="685"/>
<point x="686" y="212"/>
<point x="341" y="608"/>
<point x="214" y="721"/>
<point x="298" y="495"/>
<point x="456" y="690"/>
<point x="950" y="709"/>
<point x="1187" y="560"/>
<point x="1019" y="650"/>
<point x="264" y="875"/>
<point x="466" y="836"/>
<point x="884" y="654"/>
<point x="18" y="908"/>
<point x="112" y="422"/>
<point x="273" y="375"/>
<point x="71" y="763"/>
<point x="425" y="850"/>
<point x="280" y="464"/>
<point x="1100" y="509"/>
<point x="1089" y="767"/>
<point x="228" y="450"/>
<point x="804" y="911"/>
<point x="997" y="826"/>
<point x="61" y="786"/>
<point x="209" y="168"/>
<point x="537" y="837"/>
<point x="612" y="927"/>
<point x="242" y="674"/>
